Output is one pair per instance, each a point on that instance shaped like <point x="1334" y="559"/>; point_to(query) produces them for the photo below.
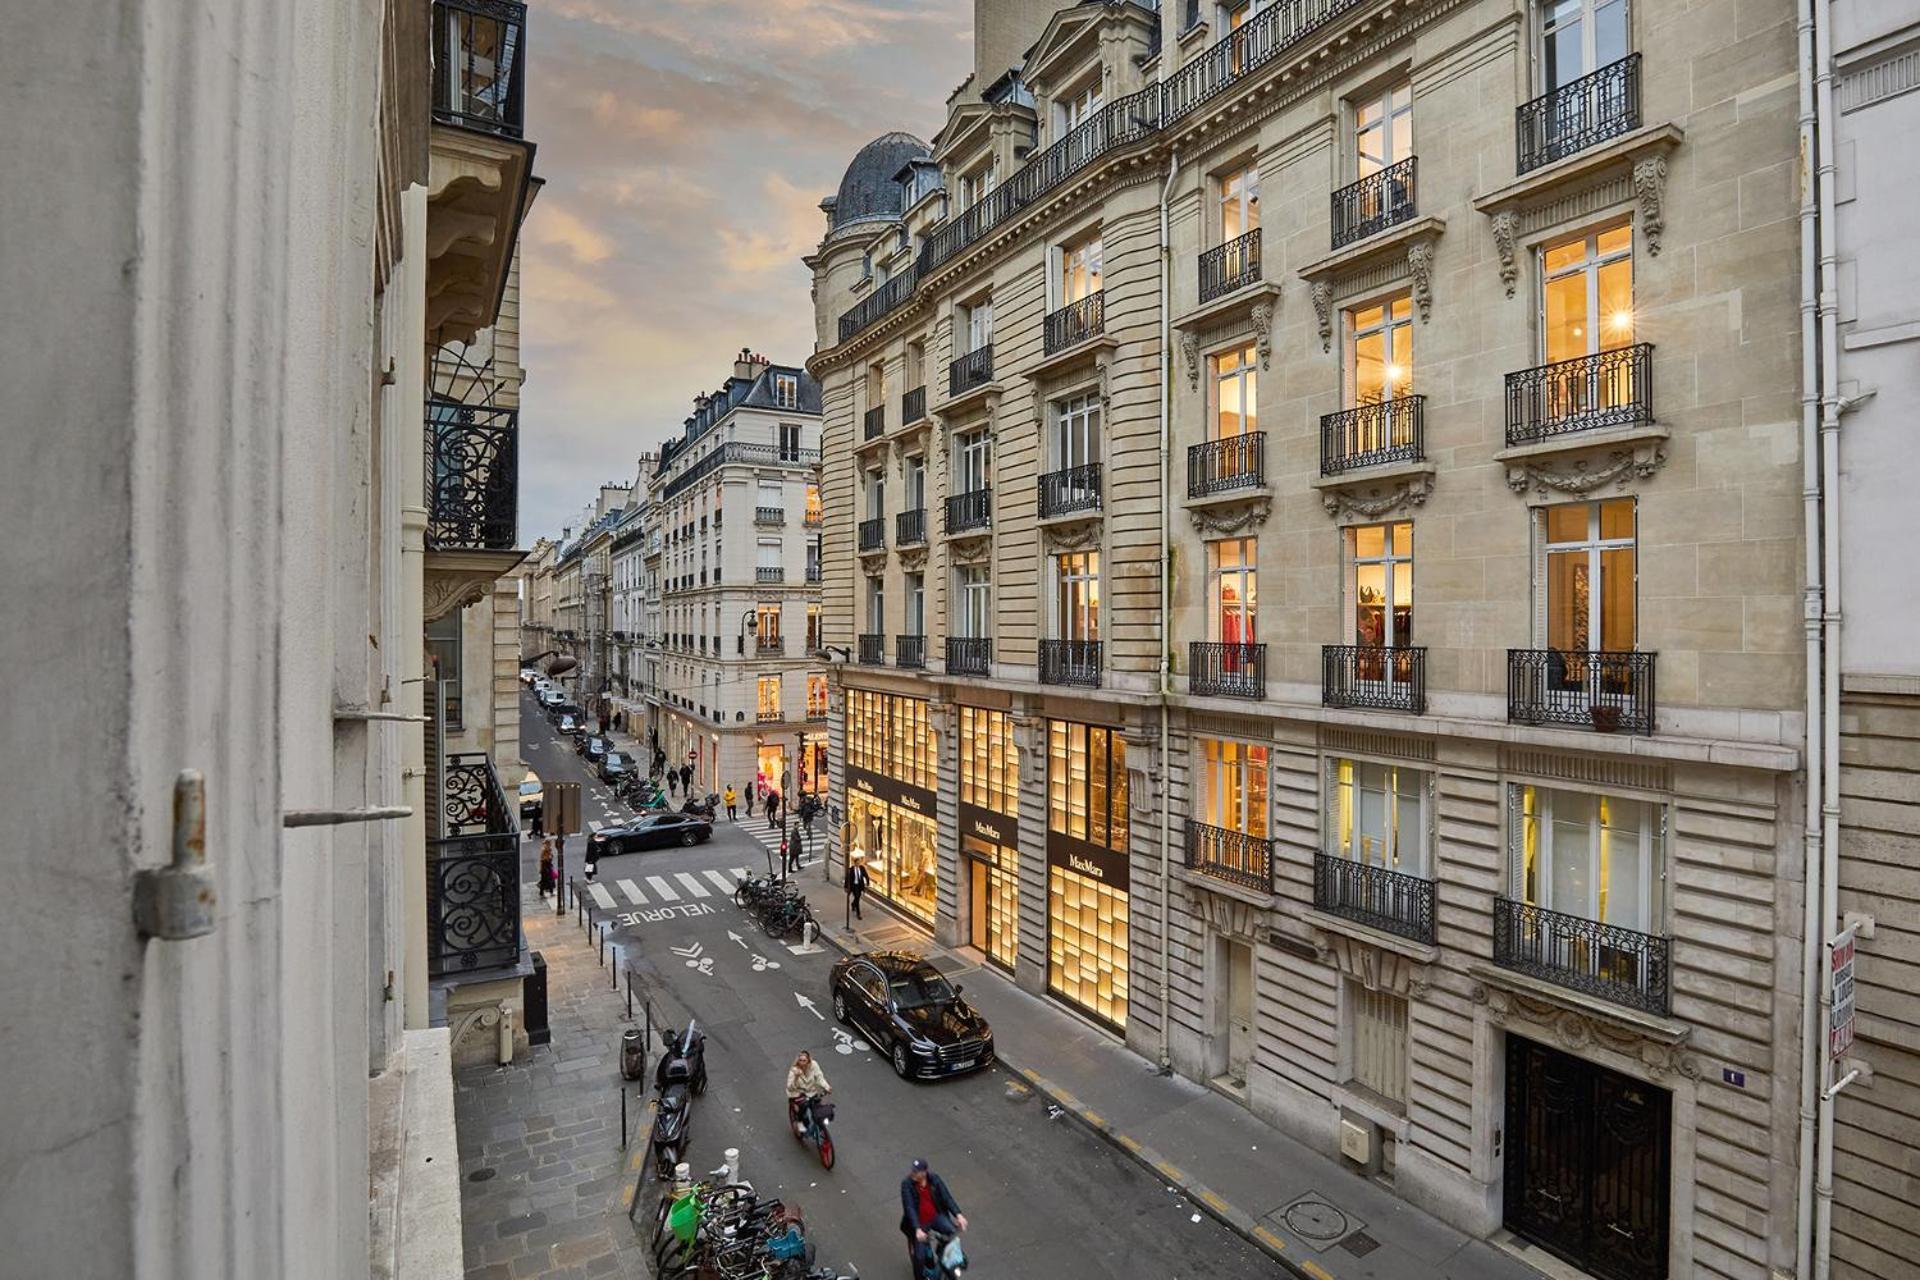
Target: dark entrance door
<point x="1587" y="1163"/>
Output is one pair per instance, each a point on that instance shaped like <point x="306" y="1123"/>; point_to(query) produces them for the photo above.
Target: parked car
<point x="557" y="709"/>
<point x="909" y="1011"/>
<point x="593" y="747"/>
<point x="530" y="676"/>
<point x="616" y="767"/>
<point x="531" y="796"/>
<point x="568" y="723"/>
<point x="654" y="831"/>
<point x="552" y="698"/>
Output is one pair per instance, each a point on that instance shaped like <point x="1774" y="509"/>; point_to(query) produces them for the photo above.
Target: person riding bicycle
<point x="926" y="1206"/>
<point x="806" y="1085"/>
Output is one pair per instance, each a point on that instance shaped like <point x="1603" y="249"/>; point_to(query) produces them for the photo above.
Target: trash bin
<point x="633" y="1054"/>
<point x="538" y="1032"/>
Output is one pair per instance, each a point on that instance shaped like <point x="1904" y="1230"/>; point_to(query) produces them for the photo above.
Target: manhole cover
<point x="480" y="1175"/>
<point x="1317" y="1220"/>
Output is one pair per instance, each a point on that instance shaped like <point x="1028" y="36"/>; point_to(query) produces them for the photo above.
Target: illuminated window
<point x="768" y="701"/>
<point x="1377" y="815"/>
<point x="1598" y="857"/>
<point x="1080" y="270"/>
<point x="1077" y="596"/>
<point x="1235" y="394"/>
<point x="1233" y="786"/>
<point x="816" y="697"/>
<point x="1382" y="588"/>
<point x="814" y="515"/>
<point x="1087" y="783"/>
<point x="767" y="623"/>
<point x="1379" y="356"/>
<point x="1586" y="574"/>
<point x="1232" y="591"/>
<point x="989" y="761"/>
<point x="786" y="390"/>
<point x="1586" y="304"/>
<point x="1239" y="210"/>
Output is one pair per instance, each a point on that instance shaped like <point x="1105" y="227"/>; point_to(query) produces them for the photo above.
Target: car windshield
<point x="920" y="989"/>
<point x="616" y="761"/>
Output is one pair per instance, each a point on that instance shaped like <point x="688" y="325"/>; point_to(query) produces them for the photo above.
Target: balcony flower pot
<point x="1606" y="717"/>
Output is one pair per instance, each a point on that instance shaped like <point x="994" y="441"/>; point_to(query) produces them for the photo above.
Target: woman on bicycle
<point x="806" y="1084"/>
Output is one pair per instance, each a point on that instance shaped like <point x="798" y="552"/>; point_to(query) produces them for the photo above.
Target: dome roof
<point x="869" y="189"/>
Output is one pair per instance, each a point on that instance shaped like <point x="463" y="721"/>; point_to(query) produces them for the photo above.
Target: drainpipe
<point x="1166" y="603"/>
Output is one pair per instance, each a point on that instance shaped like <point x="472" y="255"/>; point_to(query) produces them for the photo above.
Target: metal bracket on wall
<point x="366" y="713"/>
<point x="336" y="817"/>
<point x="176" y="902"/>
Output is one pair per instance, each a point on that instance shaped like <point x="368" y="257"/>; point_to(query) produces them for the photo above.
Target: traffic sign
<point x="1840" y="956"/>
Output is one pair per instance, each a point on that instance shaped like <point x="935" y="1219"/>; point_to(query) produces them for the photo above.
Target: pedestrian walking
<point x="546" y="867"/>
<point x="790" y="850"/>
<point x="686" y="779"/>
<point x="673" y="782"/>
<point x="773" y="810"/>
<point x="731" y="797"/>
<point x="857" y="881"/>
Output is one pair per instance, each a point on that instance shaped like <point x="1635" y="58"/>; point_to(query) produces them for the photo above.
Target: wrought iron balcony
<point x="910" y="652"/>
<point x="1605" y="691"/>
<point x="910" y="527"/>
<point x="768" y="715"/>
<point x="1391" y="901"/>
<point x="815" y="573"/>
<point x="769" y="646"/>
<point x="1374" y="677"/>
<point x="875" y="423"/>
<point x="970" y="510"/>
<point x="479" y="72"/>
<point x="1227" y="670"/>
<point x="974" y="369"/>
<point x="873" y="650"/>
<point x="1070" y="492"/>
<point x="873" y="534"/>
<point x="1233" y="856"/>
<point x="473" y="872"/>
<point x="1227" y="465"/>
<point x="1076" y="322"/>
<point x="473" y="468"/>
<point x="1610" y="389"/>
<point x="969" y="655"/>
<point x="1380" y="200"/>
<point x="878" y="303"/>
<point x="1619" y="965"/>
<point x="770" y="573"/>
<point x="1230" y="266"/>
<point x="1581" y="114"/>
<point x="1373" y="435"/>
<point x="1075" y="662"/>
<point x="770" y="515"/>
<point x="913" y="406"/>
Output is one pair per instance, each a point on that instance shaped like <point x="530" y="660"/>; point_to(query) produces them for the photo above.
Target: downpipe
<point x="1166" y="602"/>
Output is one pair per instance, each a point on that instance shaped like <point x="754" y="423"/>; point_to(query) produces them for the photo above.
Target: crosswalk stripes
<point x="721" y="882"/>
<point x="601" y="896"/>
<point x="633" y="893"/>
<point x="666" y="891"/>
<point x="693" y="886"/>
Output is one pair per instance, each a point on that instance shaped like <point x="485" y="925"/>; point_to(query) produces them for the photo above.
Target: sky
<point x="686" y="145"/>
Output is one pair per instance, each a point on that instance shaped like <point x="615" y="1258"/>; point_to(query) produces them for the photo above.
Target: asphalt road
<point x="1043" y="1197"/>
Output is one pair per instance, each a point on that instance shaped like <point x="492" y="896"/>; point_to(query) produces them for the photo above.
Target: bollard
<point x="623" y="1117"/>
<point x="629" y="995"/>
<point x="731" y="1163"/>
<point x="602" y="942"/>
<point x="613" y="971"/>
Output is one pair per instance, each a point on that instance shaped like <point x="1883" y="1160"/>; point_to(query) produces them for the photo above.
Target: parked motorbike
<point x="813" y="1131"/>
<point x="702" y="808"/>
<point x="681" y="1075"/>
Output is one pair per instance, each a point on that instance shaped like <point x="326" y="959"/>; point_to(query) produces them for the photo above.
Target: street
<point x="1042" y="1195"/>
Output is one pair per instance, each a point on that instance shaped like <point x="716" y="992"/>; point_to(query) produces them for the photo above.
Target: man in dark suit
<point x="926" y="1206"/>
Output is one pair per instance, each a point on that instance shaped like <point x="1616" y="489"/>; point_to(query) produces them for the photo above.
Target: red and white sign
<point x="1840" y="984"/>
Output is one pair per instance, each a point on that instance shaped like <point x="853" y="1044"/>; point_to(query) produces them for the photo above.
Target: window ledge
<point x="1228" y="304"/>
<point x="985" y="393"/>
<point x="1637" y="450"/>
<point x="1625" y="149"/>
<point x="1372" y="1107"/>
<point x="1418" y="952"/>
<point x="1661" y="1030"/>
<point x="1067" y="519"/>
<point x="1094" y="350"/>
<point x="1382" y="473"/>
<point x="1381" y="244"/>
<point x="1227" y="889"/>
<point x="1232" y="497"/>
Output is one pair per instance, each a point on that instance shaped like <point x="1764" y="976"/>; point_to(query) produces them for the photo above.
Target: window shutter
<point x="1538" y="517"/>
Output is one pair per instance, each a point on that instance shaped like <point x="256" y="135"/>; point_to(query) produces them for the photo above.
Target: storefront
<point x="891" y="806"/>
<point x="990" y="833"/>
<point x="1087" y="871"/>
<point x="770" y="768"/>
<point x="813" y="764"/>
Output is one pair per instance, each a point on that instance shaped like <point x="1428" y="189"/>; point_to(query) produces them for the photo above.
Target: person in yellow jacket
<point x="730" y="799"/>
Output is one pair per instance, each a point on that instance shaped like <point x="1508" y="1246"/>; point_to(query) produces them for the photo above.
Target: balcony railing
<point x="1261" y="39"/>
<point x="873" y="650"/>
<point x="770" y="515"/>
<point x="910" y="527"/>
<point x="1233" y="856"/>
<point x="1609" y="389"/>
<point x="760" y="455"/>
<point x="769" y="645"/>
<point x="1227" y="465"/>
<point x="878" y="303"/>
<point x="910" y="652"/>
<point x="815" y="573"/>
<point x="873" y="534"/>
<point x="970" y="510"/>
<point x="1230" y="266"/>
<point x="1578" y="115"/>
<point x="768" y="715"/>
<point x="1605" y="691"/>
<point x="1380" y="200"/>
<point x="1391" y="901"/>
<point x="479" y="72"/>
<point x="913" y="406"/>
<point x="770" y="573"/>
<point x="1619" y="965"/>
<point x="1075" y="662"/>
<point x="1069" y="492"/>
<point x="473" y="467"/>
<point x="1374" y="677"/>
<point x="1373" y="435"/>
<point x="974" y="369"/>
<point x="1227" y="670"/>
<point x="876" y="423"/>
<point x="1076" y="322"/>
<point x="473" y="872"/>
<point x="969" y="655"/>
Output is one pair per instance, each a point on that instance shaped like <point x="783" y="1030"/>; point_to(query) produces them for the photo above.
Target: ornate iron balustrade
<point x="1609" y="389"/>
<point x="969" y="655"/>
<point x="1376" y="202"/>
<point x="878" y="303"/>
<point x="1227" y="670"/>
<point x="473" y="469"/>
<point x="761" y="455"/>
<point x="1075" y="662"/>
<point x="970" y="510"/>
<point x="1623" y="966"/>
<point x="910" y="652"/>
<point x="1598" y="690"/>
<point x="974" y="369"/>
<point x="1233" y="856"/>
<point x="1230" y="266"/>
<point x="1372" y="435"/>
<point x="1071" y="491"/>
<point x="1580" y="114"/>
<point x="1252" y="45"/>
<point x="1374" y="677"/>
<point x="873" y="650"/>
<point x="769" y="645"/>
<point x="769" y="515"/>
<point x="770" y="573"/>
<point x="1391" y="901"/>
<point x="479" y="72"/>
<point x="473" y="873"/>
<point x="913" y="406"/>
<point x="1076" y="322"/>
<point x="910" y="527"/>
<point x="1227" y="465"/>
<point x="815" y="573"/>
<point x="873" y="534"/>
<point x="875" y="423"/>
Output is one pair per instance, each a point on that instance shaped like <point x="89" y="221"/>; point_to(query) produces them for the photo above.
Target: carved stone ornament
<point x="1420" y="267"/>
<point x="1583" y="475"/>
<point x="1506" y="231"/>
<point x="970" y="548"/>
<point x="1190" y="350"/>
<point x="486" y="1017"/>
<point x="1227" y="916"/>
<point x="912" y="559"/>
<point x="1574" y="1030"/>
<point x="1375" y="968"/>
<point x="1232" y="518"/>
<point x="443" y="593"/>
<point x="1262" y="317"/>
<point x="1650" y="191"/>
<point x="1082" y="535"/>
<point x="1323" y="312"/>
<point x="1370" y="501"/>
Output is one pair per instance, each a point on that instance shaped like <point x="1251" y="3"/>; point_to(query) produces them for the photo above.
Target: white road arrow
<point x="684" y="952"/>
<point x="809" y="1006"/>
<point x="737" y="938"/>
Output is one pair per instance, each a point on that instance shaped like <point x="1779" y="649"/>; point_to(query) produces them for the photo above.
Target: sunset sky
<point x="686" y="145"/>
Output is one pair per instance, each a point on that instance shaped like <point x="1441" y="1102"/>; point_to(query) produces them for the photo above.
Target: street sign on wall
<point x="1840" y="955"/>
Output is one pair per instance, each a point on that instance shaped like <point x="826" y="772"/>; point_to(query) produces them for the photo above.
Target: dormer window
<point x="979" y="184"/>
<point x="786" y="390"/>
<point x="1078" y="106"/>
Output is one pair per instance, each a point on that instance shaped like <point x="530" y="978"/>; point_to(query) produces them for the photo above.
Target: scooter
<point x="681" y="1075"/>
<point x="814" y="1131"/>
<point x="703" y="808"/>
<point x="942" y="1258"/>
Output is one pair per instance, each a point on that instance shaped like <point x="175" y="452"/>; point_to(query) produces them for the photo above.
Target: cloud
<point x="558" y="227"/>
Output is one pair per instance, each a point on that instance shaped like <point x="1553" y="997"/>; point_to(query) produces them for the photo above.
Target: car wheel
<point x="901" y="1067"/>
<point x="688" y="839"/>
<point x="840" y="1006"/>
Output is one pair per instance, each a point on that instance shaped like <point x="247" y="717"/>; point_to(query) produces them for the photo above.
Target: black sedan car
<point x="615" y="767"/>
<point x="911" y="1013"/>
<point x="593" y="747"/>
<point x="654" y="831"/>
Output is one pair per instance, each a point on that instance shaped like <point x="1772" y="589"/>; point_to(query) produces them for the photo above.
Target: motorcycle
<point x="681" y="1075"/>
<point x="645" y="795"/>
<point x="941" y="1258"/>
<point x="702" y="808"/>
<point x="814" y="1129"/>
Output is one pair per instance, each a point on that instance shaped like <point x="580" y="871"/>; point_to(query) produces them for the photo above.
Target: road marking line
<point x="1315" y="1270"/>
<point x="594" y="824"/>
<point x="739" y="873"/>
<point x="1270" y="1237"/>
<point x="601" y="896"/>
<point x="720" y="882"/>
<point x="633" y="893"/>
<point x="694" y="887"/>
<point x="666" y="891"/>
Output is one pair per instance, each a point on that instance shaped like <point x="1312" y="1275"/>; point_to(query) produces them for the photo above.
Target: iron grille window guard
<point x="1076" y="322"/>
<point x="1380" y="200"/>
<point x="1609" y="389"/>
<point x="479" y="79"/>
<point x="762" y="455"/>
<point x="1233" y="856"/>
<point x="873" y="650"/>
<point x="1071" y="491"/>
<point x="873" y="534"/>
<point x="1391" y="901"/>
<point x="974" y="369"/>
<point x="769" y="645"/>
<point x="769" y="515"/>
<point x="473" y="877"/>
<point x="815" y="573"/>
<point x="1599" y="690"/>
<point x="878" y="303"/>
<point x="1230" y="266"/>
<point x="970" y="510"/>
<point x="1227" y="670"/>
<point x="473" y="466"/>
<point x="913" y="406"/>
<point x="1372" y="435"/>
<point x="1580" y="114"/>
<point x="910" y="652"/>
<point x="1374" y="677"/>
<point x="769" y="573"/>
<point x="910" y="527"/>
<point x="1227" y="465"/>
<point x="969" y="655"/>
<point x="767" y="717"/>
<point x="1075" y="662"/>
<point x="875" y="423"/>
<point x="1619" y="965"/>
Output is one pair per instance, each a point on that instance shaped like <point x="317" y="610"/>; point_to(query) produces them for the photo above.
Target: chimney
<point x="744" y="367"/>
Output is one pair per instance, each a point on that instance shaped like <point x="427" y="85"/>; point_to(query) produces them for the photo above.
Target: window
<point x="1076" y="432"/>
<point x="973" y="584"/>
<point x="786" y="390"/>
<point x="1377" y="815"/>
<point x="770" y="497"/>
<point x="979" y="324"/>
<point x="1233" y="786"/>
<point x="1087" y="783"/>
<point x="1586" y="304"/>
<point x="814" y="514"/>
<point x="443" y="646"/>
<point x="1382" y="598"/>
<point x="916" y="365"/>
<point x="1377" y="1042"/>
<point x="789" y="442"/>
<point x="816" y="697"/>
<point x="1383" y="129"/>
<point x="813" y="560"/>
<point x="768" y="554"/>
<point x="876" y="487"/>
<point x="1239" y="203"/>
<point x="890" y="735"/>
<point x="1587" y="576"/>
<point x="866" y="265"/>
<point x="766" y="623"/>
<point x="979" y="184"/>
<point x="1077" y="602"/>
<point x="913" y="475"/>
<point x="1380" y="358"/>
<point x="1235" y="394"/>
<point x="768" y="697"/>
<point x="876" y="606"/>
<point x="916" y="624"/>
<point x="1597" y="857"/>
<point x="1578" y="37"/>
<point x="813" y="628"/>
<point x="989" y="761"/>
<point x="1080" y="268"/>
<point x="1232" y="591"/>
<point x="973" y="462"/>
<point x="1077" y="106"/>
